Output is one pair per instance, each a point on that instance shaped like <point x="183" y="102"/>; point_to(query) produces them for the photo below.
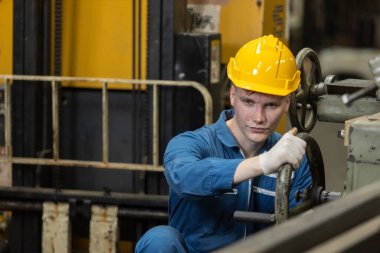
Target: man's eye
<point x="272" y="106"/>
<point x="248" y="101"/>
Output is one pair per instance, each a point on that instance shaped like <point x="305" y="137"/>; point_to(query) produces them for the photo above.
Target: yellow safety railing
<point x="105" y="163"/>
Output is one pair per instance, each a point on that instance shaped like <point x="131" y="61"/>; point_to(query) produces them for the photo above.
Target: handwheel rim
<point x="305" y="119"/>
<point x="316" y="165"/>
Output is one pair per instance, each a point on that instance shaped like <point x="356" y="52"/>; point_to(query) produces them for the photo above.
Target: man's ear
<point x="232" y="95"/>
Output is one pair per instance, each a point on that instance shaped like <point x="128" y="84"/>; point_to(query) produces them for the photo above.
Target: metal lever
<point x="347" y="99"/>
<point x="374" y="64"/>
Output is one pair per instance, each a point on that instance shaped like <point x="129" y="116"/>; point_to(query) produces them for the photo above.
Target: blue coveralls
<point x="199" y="168"/>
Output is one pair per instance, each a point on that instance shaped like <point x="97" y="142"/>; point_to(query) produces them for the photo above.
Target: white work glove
<point x="289" y="149"/>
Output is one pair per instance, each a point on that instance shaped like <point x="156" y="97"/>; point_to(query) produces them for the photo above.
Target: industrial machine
<point x="349" y="223"/>
<point x="61" y="127"/>
<point x="351" y="101"/>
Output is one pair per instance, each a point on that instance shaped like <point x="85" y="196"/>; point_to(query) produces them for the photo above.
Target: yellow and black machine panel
<point x="110" y="39"/>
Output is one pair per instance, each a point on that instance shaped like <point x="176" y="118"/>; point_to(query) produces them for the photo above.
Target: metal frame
<point x="353" y="219"/>
<point x="56" y="161"/>
<point x="130" y="204"/>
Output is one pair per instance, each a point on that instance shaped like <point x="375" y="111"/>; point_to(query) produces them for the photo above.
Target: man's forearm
<point x="247" y="169"/>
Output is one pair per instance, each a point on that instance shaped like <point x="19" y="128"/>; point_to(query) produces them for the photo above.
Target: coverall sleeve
<point x="194" y="167"/>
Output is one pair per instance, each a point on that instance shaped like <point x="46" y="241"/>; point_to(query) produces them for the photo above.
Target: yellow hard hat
<point x="264" y="65"/>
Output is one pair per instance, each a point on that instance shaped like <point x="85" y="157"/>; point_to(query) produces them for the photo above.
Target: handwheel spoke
<point x="312" y="74"/>
<point x="303" y="113"/>
<point x="300" y="96"/>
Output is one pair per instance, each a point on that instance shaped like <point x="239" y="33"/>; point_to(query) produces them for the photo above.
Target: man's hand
<point x="289" y="149"/>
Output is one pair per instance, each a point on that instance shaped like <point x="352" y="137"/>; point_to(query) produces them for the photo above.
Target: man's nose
<point x="258" y="114"/>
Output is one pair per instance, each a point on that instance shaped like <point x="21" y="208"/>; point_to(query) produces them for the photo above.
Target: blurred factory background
<point x="94" y="129"/>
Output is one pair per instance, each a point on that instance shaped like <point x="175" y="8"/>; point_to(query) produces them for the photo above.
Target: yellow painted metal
<point x="275" y="19"/>
<point x="244" y="20"/>
<point x="275" y="22"/>
<point x="240" y="22"/>
<point x="6" y="36"/>
<point x="97" y="39"/>
<point x="144" y="39"/>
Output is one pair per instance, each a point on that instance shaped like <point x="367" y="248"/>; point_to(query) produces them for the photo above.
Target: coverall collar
<point x="223" y="132"/>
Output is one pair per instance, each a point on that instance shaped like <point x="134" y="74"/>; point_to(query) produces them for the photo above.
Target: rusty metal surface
<point x="130" y="200"/>
<point x="86" y="164"/>
<point x="5" y="168"/>
<point x="364" y="141"/>
<point x="56" y="228"/>
<point x="6" y="151"/>
<point x="310" y="197"/>
<point x="126" y="212"/>
<point x="104" y="229"/>
<point x="363" y="158"/>
<point x="55" y="119"/>
<point x="105" y="120"/>
<point x="315" y="227"/>
<point x="27" y="206"/>
<point x="281" y="203"/>
<point x="55" y="80"/>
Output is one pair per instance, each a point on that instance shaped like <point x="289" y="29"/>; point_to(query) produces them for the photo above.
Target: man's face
<point x="257" y="114"/>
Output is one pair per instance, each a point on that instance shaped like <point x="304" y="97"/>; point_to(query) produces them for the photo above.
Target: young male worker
<point x="231" y="165"/>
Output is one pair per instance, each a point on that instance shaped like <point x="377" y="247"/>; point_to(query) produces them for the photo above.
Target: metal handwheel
<point x="303" y="109"/>
<point x="311" y="196"/>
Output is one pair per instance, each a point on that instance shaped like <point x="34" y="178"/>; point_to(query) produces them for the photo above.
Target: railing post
<point x="55" y="115"/>
<point x="105" y="126"/>
<point x="6" y="154"/>
<point x="105" y="163"/>
<point x="155" y="125"/>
